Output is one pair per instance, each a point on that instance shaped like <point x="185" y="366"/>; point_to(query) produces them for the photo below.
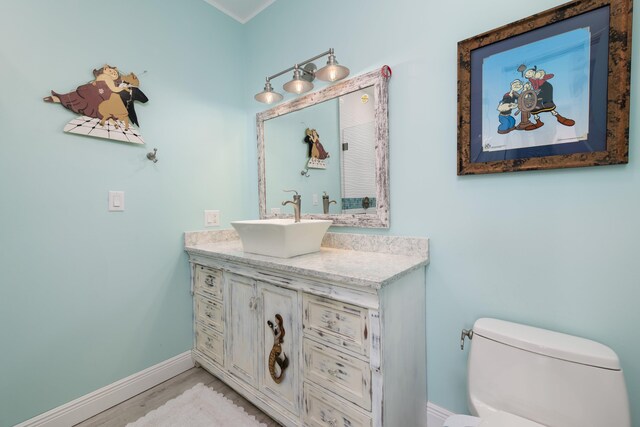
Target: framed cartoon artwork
<point x="549" y="91"/>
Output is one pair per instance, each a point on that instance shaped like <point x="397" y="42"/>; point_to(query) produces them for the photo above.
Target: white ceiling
<point x="241" y="10"/>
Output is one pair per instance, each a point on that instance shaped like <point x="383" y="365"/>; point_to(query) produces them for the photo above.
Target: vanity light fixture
<point x="298" y="84"/>
<point x="303" y="74"/>
<point x="333" y="71"/>
<point x="268" y="96"/>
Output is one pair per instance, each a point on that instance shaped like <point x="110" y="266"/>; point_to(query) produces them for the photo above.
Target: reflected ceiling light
<point x="268" y="96"/>
<point x="303" y="74"/>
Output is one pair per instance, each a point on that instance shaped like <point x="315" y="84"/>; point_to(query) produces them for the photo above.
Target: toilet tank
<point x="551" y="378"/>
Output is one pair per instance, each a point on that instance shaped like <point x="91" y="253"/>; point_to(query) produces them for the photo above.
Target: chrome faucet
<point x="295" y="203"/>
<point x="326" y="202"/>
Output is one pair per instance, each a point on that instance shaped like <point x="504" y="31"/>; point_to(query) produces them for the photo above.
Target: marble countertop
<point x="344" y="266"/>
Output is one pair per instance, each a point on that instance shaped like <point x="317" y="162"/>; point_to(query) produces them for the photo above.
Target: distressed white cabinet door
<point x="243" y="336"/>
<point x="284" y="302"/>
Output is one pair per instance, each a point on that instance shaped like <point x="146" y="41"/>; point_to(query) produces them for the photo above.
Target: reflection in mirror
<point x="287" y="155"/>
<point x="332" y="142"/>
<point x="358" y="151"/>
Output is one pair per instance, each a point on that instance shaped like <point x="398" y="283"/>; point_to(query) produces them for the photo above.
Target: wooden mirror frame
<point x="380" y="83"/>
<point x="617" y="81"/>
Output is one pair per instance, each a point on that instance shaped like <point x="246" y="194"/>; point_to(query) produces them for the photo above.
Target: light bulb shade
<point x="297" y="85"/>
<point x="268" y="96"/>
<point x="332" y="71"/>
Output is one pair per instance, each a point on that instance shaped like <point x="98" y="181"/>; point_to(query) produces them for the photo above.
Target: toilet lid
<point x="504" y="419"/>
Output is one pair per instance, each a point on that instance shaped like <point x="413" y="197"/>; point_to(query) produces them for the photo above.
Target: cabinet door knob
<point x="253" y="303"/>
<point x="209" y="280"/>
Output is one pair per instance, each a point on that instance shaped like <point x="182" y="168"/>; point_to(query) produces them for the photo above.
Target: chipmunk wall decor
<point x="105" y="105"/>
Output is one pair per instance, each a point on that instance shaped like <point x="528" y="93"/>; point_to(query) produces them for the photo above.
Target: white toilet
<point x="521" y="376"/>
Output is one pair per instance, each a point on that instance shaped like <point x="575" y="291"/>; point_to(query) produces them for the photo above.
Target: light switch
<point x="116" y="201"/>
<point x="315" y="199"/>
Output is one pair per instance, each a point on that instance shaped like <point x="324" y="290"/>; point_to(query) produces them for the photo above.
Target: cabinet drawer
<point x="337" y="323"/>
<point x="210" y="343"/>
<point x="338" y="372"/>
<point x="323" y="410"/>
<point x="208" y="281"/>
<point x="210" y="312"/>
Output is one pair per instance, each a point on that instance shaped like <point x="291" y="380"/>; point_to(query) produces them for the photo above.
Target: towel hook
<point x="151" y="155"/>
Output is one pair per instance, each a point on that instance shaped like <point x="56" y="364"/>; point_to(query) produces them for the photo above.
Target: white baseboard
<point x="102" y="399"/>
<point x="436" y="415"/>
<point x="93" y="403"/>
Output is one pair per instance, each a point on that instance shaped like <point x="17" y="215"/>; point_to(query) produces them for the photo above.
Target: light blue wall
<point x="555" y="249"/>
<point x="89" y="297"/>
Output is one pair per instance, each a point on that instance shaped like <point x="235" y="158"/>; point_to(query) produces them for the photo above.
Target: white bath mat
<point x="198" y="407"/>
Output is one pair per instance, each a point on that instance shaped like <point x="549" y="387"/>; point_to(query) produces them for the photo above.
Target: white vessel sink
<point x="282" y="238"/>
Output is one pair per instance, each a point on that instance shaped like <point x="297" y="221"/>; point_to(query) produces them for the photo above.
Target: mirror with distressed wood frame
<point x="374" y="212"/>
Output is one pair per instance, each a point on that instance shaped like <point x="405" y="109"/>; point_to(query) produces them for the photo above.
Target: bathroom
<point x="89" y="297"/>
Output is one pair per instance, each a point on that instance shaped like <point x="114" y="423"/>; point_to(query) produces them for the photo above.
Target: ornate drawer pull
<point x="332" y="422"/>
<point x="331" y="323"/>
<point x="209" y="280"/>
<point x="208" y="314"/>
<point x="333" y="372"/>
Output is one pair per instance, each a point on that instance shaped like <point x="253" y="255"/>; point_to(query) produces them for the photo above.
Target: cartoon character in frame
<point x="539" y="81"/>
<point x="105" y="105"/>
<point x="506" y="106"/>
<point x="531" y="98"/>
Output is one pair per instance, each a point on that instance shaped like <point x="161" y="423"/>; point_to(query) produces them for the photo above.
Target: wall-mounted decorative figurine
<point x="277" y="356"/>
<point x="316" y="153"/>
<point x="549" y="91"/>
<point x="105" y="105"/>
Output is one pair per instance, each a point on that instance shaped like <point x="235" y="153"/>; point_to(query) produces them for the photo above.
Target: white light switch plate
<point x="211" y="218"/>
<point x="116" y="201"/>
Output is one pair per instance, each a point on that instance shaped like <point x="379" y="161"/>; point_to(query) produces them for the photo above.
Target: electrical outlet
<point x="211" y="218"/>
<point x="275" y="211"/>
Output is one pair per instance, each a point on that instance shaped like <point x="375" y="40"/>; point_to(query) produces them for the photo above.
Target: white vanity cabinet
<point x="242" y="348"/>
<point x="252" y="305"/>
<point x="208" y="309"/>
<point x="284" y="302"/>
<point x="347" y="326"/>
